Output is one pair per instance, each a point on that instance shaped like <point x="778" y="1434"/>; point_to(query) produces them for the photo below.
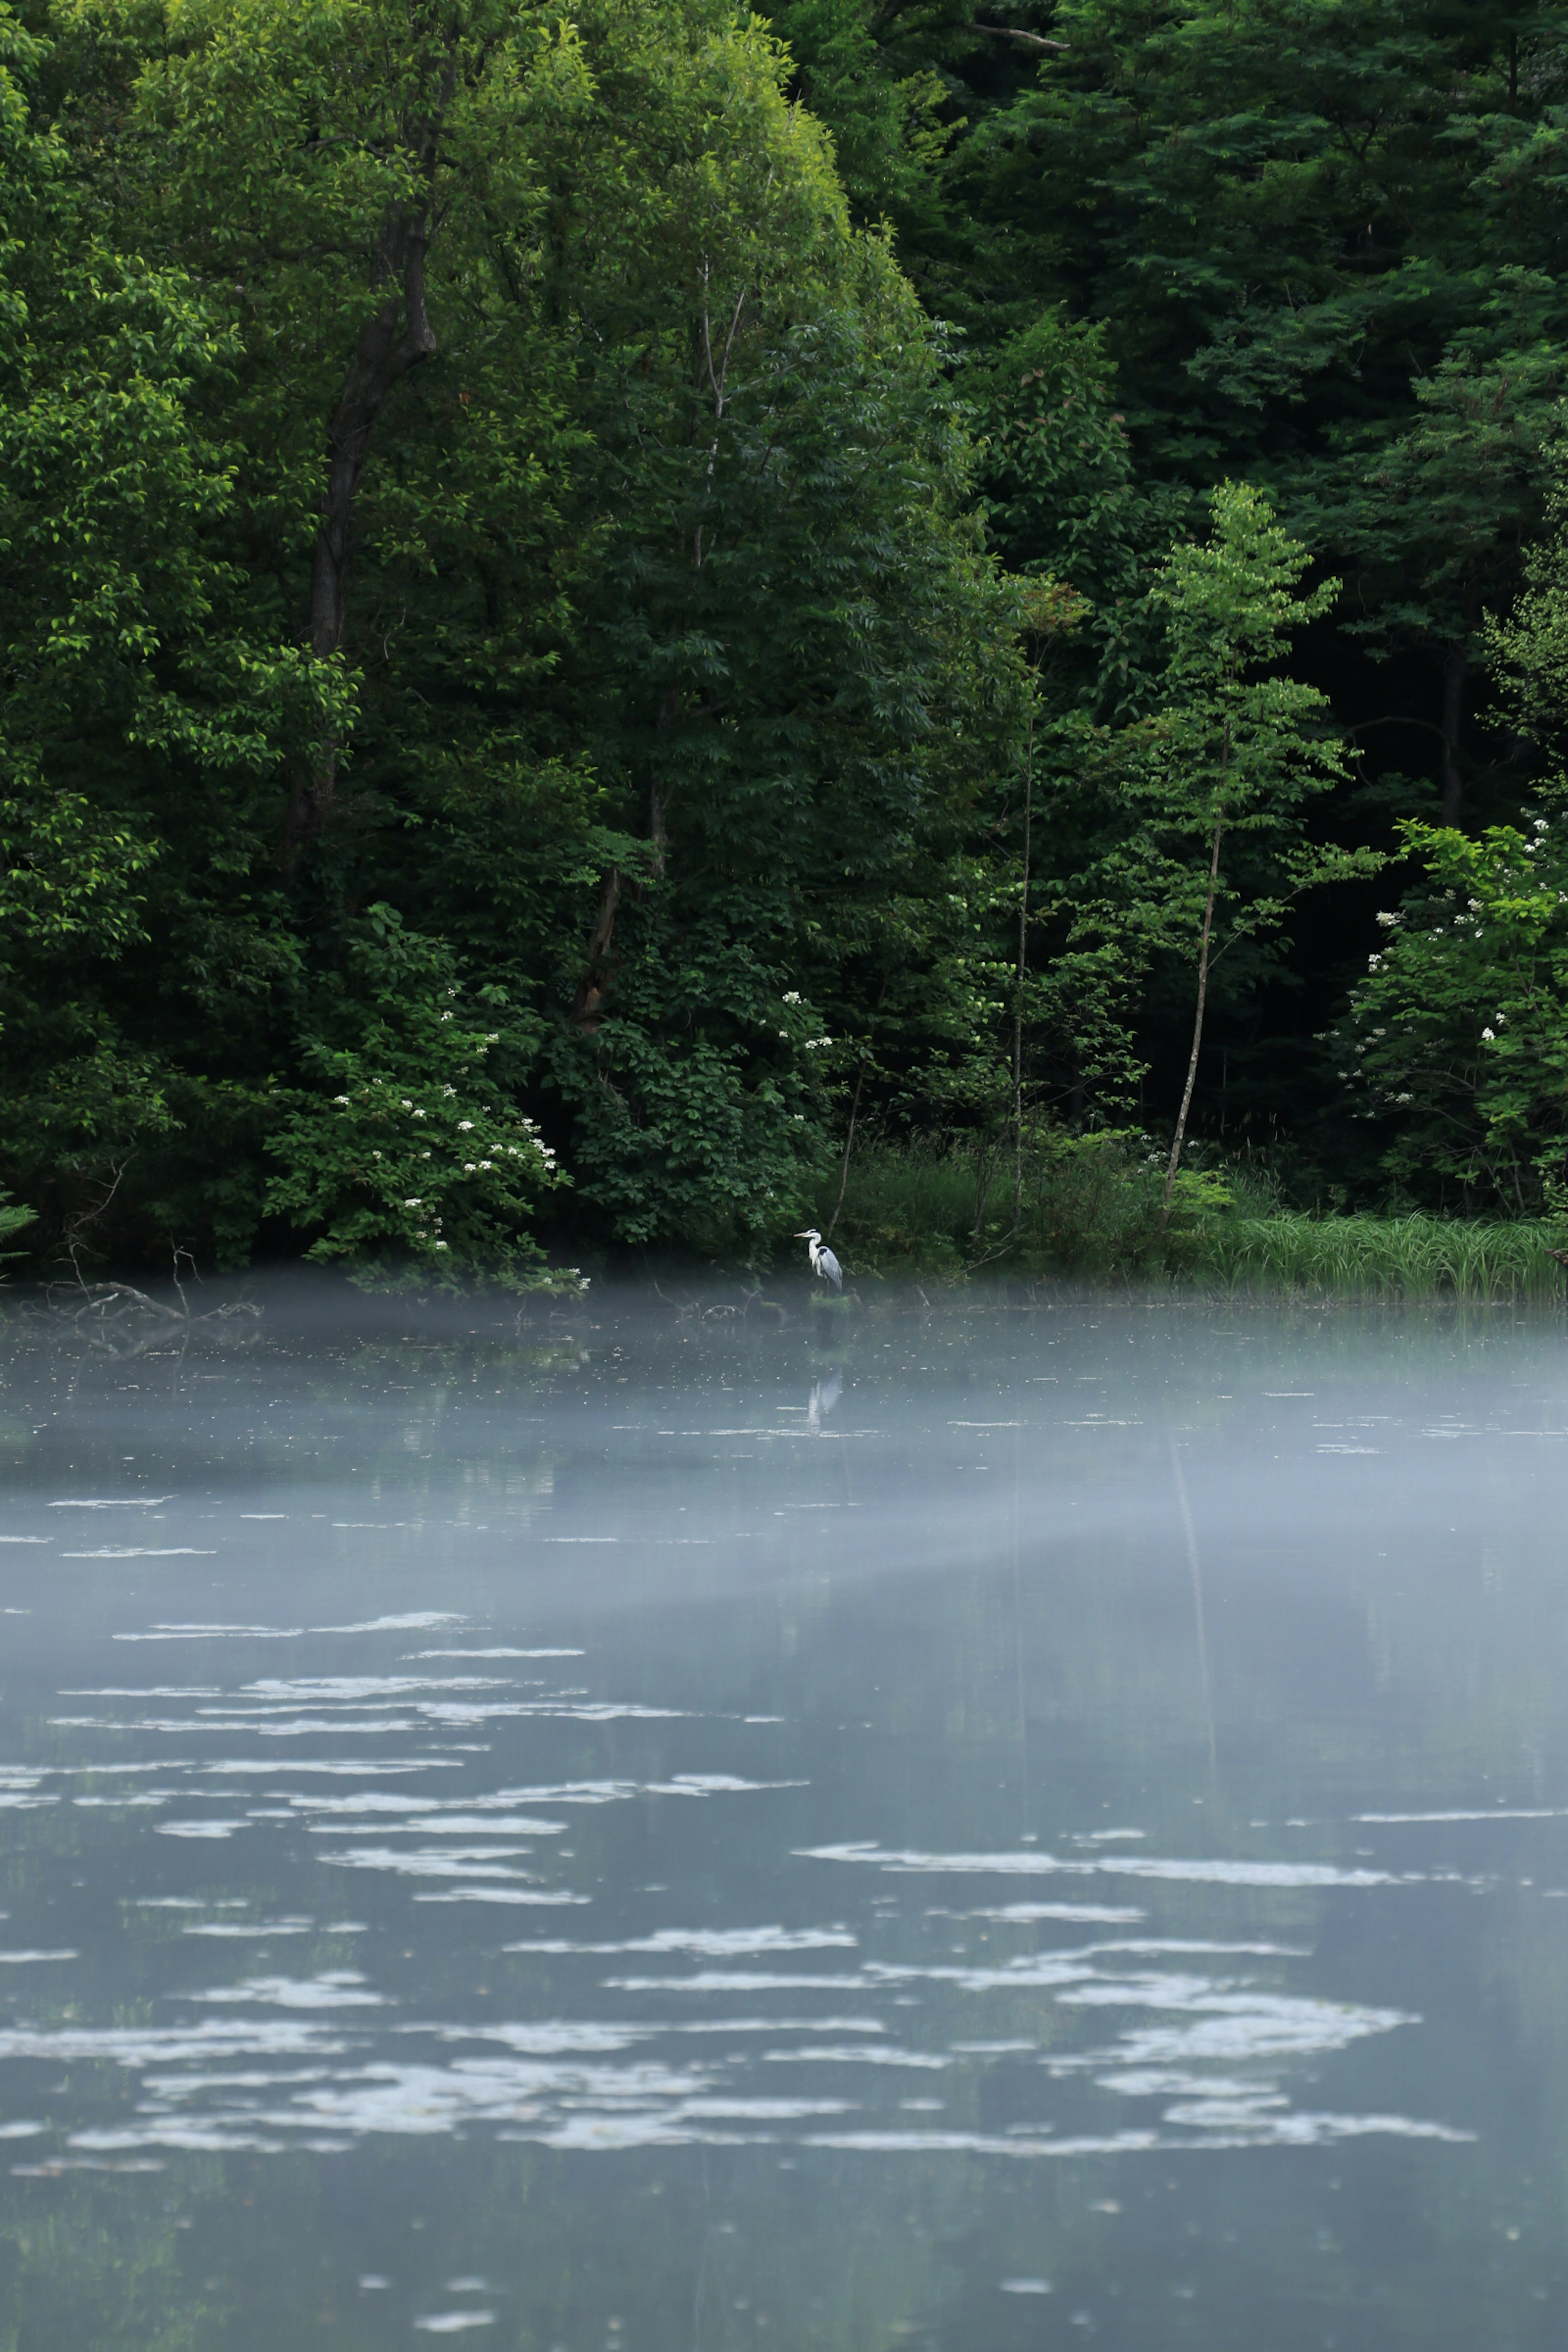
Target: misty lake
<point x="634" y="1829"/>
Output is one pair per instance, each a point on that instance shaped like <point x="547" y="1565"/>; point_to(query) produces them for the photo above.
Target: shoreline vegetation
<point x="1090" y="1207"/>
<point x="623" y="632"/>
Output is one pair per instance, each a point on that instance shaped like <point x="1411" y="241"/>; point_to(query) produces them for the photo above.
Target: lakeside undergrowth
<point x="1090" y="1206"/>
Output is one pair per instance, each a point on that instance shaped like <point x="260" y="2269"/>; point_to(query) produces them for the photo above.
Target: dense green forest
<point x="610" y="613"/>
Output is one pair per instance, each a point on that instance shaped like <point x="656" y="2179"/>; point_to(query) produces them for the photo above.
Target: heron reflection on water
<point x="825" y="1395"/>
<point x="823" y="1261"/>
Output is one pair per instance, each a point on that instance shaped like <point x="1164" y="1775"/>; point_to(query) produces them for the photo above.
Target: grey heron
<point x="823" y="1261"/>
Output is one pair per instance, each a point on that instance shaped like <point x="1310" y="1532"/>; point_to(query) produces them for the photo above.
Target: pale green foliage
<point x="1232" y="745"/>
<point x="1458" y="1034"/>
<point x="1528" y="649"/>
<point x="13" y="1217"/>
<point x="1206" y="834"/>
<point x="67" y="880"/>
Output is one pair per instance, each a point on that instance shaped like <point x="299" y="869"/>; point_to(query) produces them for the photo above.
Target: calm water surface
<point x="983" y="1829"/>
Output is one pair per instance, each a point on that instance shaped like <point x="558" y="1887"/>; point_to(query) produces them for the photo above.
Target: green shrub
<point x="1090" y="1206"/>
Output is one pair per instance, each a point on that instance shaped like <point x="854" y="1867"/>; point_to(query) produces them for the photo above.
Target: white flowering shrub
<point x="410" y="1160"/>
<point x="1458" y="1034"/>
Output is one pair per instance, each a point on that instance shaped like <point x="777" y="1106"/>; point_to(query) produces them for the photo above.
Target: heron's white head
<point x="810" y="1234"/>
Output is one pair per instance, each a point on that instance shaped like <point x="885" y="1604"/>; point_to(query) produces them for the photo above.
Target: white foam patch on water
<point x="459" y="1862"/>
<point x="768" y="2025"/>
<point x="501" y="1895"/>
<point x="1090" y="1915"/>
<point x="18" y="1959"/>
<point x="148" y="1690"/>
<point x="235" y="1927"/>
<point x="499" y="1653"/>
<point x="416" y="1621"/>
<point x="929" y="2143"/>
<point x="813" y="2053"/>
<point x="744" y="1980"/>
<point x="367" y="1801"/>
<point x="453" y="2323"/>
<point x="1486" y="1813"/>
<point x="291" y="1767"/>
<point x="616" y="1792"/>
<point x="310" y="1727"/>
<point x="141" y="1552"/>
<point x="336" y="1989"/>
<point x="1032" y="1862"/>
<point x="719" y="1942"/>
<point x="443" y="1824"/>
<point x="551" y="2037"/>
<point x="197" y="1829"/>
<point x="1228" y="2024"/>
<point x="214" y="1633"/>
<point x="315" y="1688"/>
<point x="144" y="2046"/>
<point x="585" y="1711"/>
<point x="110" y="1503"/>
<point x="715" y="1784"/>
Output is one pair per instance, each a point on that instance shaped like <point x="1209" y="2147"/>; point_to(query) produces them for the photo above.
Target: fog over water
<point x="985" y="1827"/>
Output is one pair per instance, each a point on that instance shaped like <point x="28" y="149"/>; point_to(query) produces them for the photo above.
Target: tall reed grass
<point x="1090" y="1207"/>
<point x="1382" y="1258"/>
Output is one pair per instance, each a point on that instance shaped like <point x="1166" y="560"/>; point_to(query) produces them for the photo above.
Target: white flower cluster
<point x="812" y="1044"/>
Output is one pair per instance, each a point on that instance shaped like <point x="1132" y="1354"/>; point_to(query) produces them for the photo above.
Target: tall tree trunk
<point x="595" y="984"/>
<point x="393" y="339"/>
<point x="1181" y="1135"/>
<point x="598" y="976"/>
<point x="1456" y="672"/>
<point x="1018" y="990"/>
<point x="849" y="1147"/>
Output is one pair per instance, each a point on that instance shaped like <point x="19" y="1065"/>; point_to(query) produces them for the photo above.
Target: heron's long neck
<point x="815" y="1249"/>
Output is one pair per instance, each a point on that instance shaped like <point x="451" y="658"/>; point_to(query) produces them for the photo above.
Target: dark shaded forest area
<point x="605" y="610"/>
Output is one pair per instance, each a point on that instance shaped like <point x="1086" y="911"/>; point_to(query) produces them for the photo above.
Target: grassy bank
<point x="1090" y="1207"/>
